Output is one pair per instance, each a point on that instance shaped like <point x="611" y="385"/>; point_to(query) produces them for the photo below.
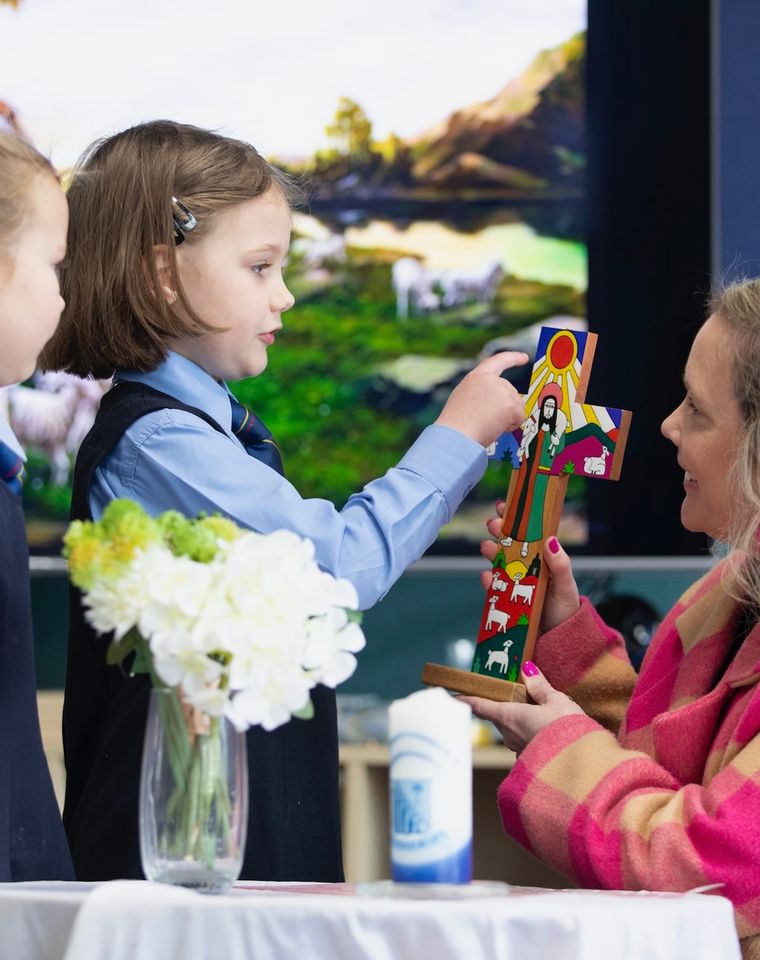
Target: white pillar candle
<point x="431" y="788"/>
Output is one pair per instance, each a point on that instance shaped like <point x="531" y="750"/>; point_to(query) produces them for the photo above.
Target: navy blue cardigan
<point x="32" y="841"/>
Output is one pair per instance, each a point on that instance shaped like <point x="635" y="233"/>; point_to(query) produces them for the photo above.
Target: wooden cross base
<point x="473" y="684"/>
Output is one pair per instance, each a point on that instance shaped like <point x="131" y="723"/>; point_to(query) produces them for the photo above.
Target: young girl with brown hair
<point x="174" y="284"/>
<point x="33" y="220"/>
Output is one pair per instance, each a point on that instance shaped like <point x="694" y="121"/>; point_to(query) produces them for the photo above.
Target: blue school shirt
<point x="172" y="460"/>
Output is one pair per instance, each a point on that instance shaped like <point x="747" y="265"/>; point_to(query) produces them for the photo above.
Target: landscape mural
<point x="416" y="254"/>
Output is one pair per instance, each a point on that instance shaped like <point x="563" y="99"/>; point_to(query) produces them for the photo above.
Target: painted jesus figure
<point x="543" y="437"/>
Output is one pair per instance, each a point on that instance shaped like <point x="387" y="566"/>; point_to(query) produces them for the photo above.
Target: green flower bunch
<point x="104" y="549"/>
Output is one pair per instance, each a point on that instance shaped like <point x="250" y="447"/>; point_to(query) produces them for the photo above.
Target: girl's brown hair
<point x="20" y="163"/>
<point x="120" y="210"/>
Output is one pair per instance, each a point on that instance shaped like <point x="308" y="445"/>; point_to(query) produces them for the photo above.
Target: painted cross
<point x="561" y="436"/>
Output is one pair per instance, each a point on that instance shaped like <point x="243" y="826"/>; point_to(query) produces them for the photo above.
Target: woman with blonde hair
<point x="662" y="790"/>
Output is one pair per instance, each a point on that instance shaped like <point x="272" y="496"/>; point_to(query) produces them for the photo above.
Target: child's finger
<point x="499" y="362"/>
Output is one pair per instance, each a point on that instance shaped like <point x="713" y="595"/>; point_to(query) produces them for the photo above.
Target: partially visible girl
<point x="33" y="223"/>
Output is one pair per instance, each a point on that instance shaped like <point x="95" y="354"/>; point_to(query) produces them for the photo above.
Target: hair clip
<point x="183" y="224"/>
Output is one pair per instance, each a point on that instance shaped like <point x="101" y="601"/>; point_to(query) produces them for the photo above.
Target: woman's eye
<point x="692" y="407"/>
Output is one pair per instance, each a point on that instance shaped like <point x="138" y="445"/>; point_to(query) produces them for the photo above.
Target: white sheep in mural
<point x="478" y="284"/>
<point x="421" y="290"/>
<point x="413" y="284"/>
<point x="55" y="416"/>
<point x="317" y="251"/>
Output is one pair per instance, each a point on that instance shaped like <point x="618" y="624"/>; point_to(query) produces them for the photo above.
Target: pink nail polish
<point x="554" y="544"/>
<point x="530" y="669"/>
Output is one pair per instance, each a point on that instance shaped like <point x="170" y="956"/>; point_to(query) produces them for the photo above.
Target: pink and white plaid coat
<point x="669" y="800"/>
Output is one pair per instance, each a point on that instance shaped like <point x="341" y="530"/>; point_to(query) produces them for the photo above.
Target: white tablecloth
<point x="131" y="920"/>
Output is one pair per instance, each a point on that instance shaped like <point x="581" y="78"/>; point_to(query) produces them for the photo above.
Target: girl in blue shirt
<point x="174" y="285"/>
<point x="33" y="218"/>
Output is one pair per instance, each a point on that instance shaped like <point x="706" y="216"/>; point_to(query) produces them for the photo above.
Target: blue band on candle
<point x="454" y="869"/>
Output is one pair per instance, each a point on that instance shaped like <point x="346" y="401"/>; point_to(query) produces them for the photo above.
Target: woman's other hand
<point x="518" y="723"/>
<point x="562" y="598"/>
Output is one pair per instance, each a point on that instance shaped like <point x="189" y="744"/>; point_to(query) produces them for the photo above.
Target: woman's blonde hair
<point x="737" y="307"/>
<point x="20" y="163"/>
<point x="120" y="210"/>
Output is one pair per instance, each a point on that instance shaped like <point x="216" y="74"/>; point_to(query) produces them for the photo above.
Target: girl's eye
<point x="259" y="268"/>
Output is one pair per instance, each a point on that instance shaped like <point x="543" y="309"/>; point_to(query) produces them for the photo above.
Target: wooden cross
<point x="561" y="436"/>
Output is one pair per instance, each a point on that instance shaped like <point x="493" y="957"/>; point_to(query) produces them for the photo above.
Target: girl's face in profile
<point x="707" y="430"/>
<point x="30" y="298"/>
<point x="233" y="280"/>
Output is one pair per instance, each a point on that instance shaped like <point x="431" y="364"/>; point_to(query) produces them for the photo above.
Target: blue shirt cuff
<point x="448" y="460"/>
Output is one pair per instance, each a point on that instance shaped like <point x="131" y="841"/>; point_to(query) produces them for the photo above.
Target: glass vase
<point x="193" y="797"/>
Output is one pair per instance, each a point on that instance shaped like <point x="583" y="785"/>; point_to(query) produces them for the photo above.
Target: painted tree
<point x="351" y="130"/>
<point x="534" y="569"/>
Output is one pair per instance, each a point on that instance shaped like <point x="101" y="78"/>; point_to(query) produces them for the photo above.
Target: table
<point x="137" y="920"/>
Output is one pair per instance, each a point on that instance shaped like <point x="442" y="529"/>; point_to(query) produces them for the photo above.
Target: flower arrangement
<point x="243" y="624"/>
<point x="228" y="624"/>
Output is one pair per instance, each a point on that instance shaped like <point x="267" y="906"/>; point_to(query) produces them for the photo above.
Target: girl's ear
<point x="163" y="270"/>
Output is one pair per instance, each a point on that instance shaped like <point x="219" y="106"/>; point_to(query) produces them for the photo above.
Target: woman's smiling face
<point x="707" y="431"/>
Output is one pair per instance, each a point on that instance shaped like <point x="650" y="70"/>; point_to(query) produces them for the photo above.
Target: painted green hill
<point x="590" y="430"/>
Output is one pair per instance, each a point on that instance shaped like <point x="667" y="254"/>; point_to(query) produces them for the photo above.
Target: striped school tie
<point x="254" y="436"/>
<point x="11" y="467"/>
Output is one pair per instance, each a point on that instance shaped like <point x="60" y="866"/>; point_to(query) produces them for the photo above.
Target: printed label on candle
<point x="411" y="806"/>
<point x="431" y="789"/>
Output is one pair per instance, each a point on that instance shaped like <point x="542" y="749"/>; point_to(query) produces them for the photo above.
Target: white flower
<point x="330" y="647"/>
<point x="116" y="605"/>
<point x="189" y="669"/>
<point x="248" y="634"/>
<point x="174" y="599"/>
